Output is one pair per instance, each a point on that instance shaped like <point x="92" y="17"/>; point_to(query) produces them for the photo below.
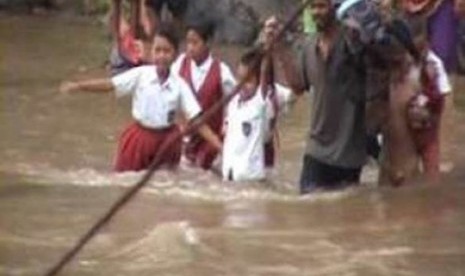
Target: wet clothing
<point x="337" y="129"/>
<point x="243" y="152"/>
<point x="337" y="137"/>
<point x="210" y="82"/>
<point x="154" y="108"/>
<point x="138" y="146"/>
<point x="156" y="104"/>
<point x="199" y="73"/>
<point x="176" y="7"/>
<point x="317" y="175"/>
<point x="443" y="34"/>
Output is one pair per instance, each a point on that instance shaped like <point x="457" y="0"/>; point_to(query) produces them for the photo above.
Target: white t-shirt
<point x="283" y="96"/>
<point x="155" y="104"/>
<point x="243" y="150"/>
<point x="199" y="73"/>
<point x="442" y="80"/>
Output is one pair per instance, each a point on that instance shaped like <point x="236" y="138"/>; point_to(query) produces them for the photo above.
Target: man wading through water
<point x="335" y="150"/>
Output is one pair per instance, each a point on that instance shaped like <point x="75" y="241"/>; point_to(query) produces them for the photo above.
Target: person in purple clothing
<point x="443" y="33"/>
<point x="442" y="18"/>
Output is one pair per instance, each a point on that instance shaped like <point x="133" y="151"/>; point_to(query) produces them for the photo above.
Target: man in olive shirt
<point x="336" y="150"/>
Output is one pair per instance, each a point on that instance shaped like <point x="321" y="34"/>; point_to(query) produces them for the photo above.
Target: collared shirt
<point x="337" y="124"/>
<point x="155" y="104"/>
<point x="200" y="72"/>
<point x="243" y="152"/>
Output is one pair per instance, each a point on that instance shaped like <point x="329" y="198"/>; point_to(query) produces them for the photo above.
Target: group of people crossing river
<point x="401" y="79"/>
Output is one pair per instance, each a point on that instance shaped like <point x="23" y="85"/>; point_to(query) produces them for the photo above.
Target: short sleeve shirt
<point x="337" y="128"/>
<point x="200" y="72"/>
<point x="155" y="104"/>
<point x="243" y="152"/>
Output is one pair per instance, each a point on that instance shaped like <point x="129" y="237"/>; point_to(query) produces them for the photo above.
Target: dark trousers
<point x="320" y="176"/>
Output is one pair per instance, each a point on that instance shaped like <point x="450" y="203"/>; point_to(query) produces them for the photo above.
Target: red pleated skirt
<point x="138" y="147"/>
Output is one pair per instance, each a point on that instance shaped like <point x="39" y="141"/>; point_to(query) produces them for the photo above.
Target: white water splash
<point x="185" y="182"/>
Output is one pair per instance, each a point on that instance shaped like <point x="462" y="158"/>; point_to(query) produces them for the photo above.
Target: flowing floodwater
<point x="56" y="153"/>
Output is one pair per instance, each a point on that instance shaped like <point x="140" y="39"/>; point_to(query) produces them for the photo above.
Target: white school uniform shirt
<point x="243" y="149"/>
<point x="442" y="81"/>
<point x="155" y="104"/>
<point x="284" y="96"/>
<point x="199" y="73"/>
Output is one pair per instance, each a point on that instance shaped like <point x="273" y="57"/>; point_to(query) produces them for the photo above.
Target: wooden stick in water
<point x="128" y="195"/>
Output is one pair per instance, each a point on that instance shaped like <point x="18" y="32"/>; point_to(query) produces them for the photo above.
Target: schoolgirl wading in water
<point x="159" y="96"/>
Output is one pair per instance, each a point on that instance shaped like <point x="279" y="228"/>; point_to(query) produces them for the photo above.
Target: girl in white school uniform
<point x="246" y="123"/>
<point x="210" y="79"/>
<point x="158" y="95"/>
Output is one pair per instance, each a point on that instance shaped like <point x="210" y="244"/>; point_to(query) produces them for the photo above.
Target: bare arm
<point x="285" y="59"/>
<point x="145" y="21"/>
<point x="210" y="136"/>
<point x="92" y="85"/>
<point x="266" y="74"/>
<point x="289" y="68"/>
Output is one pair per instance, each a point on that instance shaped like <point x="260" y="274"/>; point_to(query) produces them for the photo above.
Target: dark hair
<point x="169" y="33"/>
<point x="205" y="29"/>
<point x="252" y="59"/>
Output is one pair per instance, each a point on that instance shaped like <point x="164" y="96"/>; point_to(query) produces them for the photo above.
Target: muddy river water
<point x="56" y="153"/>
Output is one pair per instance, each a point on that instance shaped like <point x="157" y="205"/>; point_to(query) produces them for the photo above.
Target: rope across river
<point x="192" y="127"/>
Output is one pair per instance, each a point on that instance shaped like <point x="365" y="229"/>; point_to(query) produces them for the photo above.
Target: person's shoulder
<point x="179" y="81"/>
<point x="260" y="98"/>
<point x="218" y="60"/>
<point x="225" y="70"/>
<point x="143" y="71"/>
<point x="182" y="56"/>
<point x="223" y="65"/>
<point x="180" y="59"/>
<point x="178" y="63"/>
<point x="432" y="57"/>
<point x="232" y="105"/>
<point x="146" y="71"/>
<point x="144" y="68"/>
